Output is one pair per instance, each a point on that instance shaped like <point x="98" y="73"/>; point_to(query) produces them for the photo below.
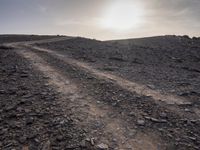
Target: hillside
<point x="83" y="94"/>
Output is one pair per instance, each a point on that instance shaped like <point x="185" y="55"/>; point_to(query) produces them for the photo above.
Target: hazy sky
<point x="100" y="19"/>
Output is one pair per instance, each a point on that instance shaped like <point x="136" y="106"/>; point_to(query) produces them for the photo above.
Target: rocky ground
<point x="20" y="38"/>
<point x="87" y="94"/>
<point x="30" y="117"/>
<point x="167" y="63"/>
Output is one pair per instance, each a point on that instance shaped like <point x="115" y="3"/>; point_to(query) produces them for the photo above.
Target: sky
<point x="101" y="19"/>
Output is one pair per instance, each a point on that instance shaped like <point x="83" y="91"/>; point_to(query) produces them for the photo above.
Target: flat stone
<point x="186" y="104"/>
<point x="157" y="120"/>
<point x="141" y="122"/>
<point x="131" y="113"/>
<point x="102" y="146"/>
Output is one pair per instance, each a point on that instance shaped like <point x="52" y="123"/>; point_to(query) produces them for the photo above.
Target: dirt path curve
<point x="170" y="100"/>
<point x="118" y="131"/>
<point x="131" y="86"/>
<point x="126" y="84"/>
<point x="114" y="132"/>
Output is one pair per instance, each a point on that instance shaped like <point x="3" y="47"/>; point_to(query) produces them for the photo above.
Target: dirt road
<point x="94" y="109"/>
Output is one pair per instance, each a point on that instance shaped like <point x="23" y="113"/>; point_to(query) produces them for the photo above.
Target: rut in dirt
<point x="171" y="100"/>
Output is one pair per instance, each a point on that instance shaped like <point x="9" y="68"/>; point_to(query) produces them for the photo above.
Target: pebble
<point x="102" y="146"/>
<point x="156" y="120"/>
<point x="192" y="138"/>
<point x="59" y="138"/>
<point x="151" y="86"/>
<point x="141" y="122"/>
<point x="163" y="115"/>
<point x="92" y="141"/>
<point x="132" y="113"/>
<point x="26" y="110"/>
<point x="187" y="110"/>
<point x="47" y="145"/>
<point x="30" y="120"/>
<point x="2" y="91"/>
<point x="186" y="104"/>
<point x="22" y="139"/>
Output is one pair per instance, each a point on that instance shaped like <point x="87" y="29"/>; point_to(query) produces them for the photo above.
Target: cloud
<point x="42" y="8"/>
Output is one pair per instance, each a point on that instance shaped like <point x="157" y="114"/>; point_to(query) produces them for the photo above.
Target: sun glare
<point x="122" y="16"/>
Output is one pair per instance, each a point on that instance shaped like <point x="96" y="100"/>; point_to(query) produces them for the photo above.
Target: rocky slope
<point x="77" y="93"/>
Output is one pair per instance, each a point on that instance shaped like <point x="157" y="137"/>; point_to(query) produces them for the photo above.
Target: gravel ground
<point x="167" y="63"/>
<point x="19" y="38"/>
<point x="51" y="101"/>
<point x="175" y="128"/>
<point x="30" y="117"/>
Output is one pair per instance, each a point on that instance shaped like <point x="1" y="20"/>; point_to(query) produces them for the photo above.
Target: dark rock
<point x="11" y="107"/>
<point x="24" y="75"/>
<point x="12" y="91"/>
<point x="22" y="139"/>
<point x="32" y="135"/>
<point x="22" y="101"/>
<point x="109" y="68"/>
<point x="163" y="115"/>
<point x="2" y="92"/>
<point x="59" y="138"/>
<point x="137" y="61"/>
<point x="30" y="120"/>
<point x="117" y="58"/>
<point x="15" y="124"/>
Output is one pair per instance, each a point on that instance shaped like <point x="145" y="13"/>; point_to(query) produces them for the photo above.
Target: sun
<point x="122" y="16"/>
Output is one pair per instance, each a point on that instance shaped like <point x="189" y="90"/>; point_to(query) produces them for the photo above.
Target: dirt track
<point x="106" y="110"/>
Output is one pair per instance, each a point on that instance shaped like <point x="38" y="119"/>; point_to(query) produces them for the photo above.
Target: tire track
<point x="125" y="84"/>
<point x="171" y="101"/>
